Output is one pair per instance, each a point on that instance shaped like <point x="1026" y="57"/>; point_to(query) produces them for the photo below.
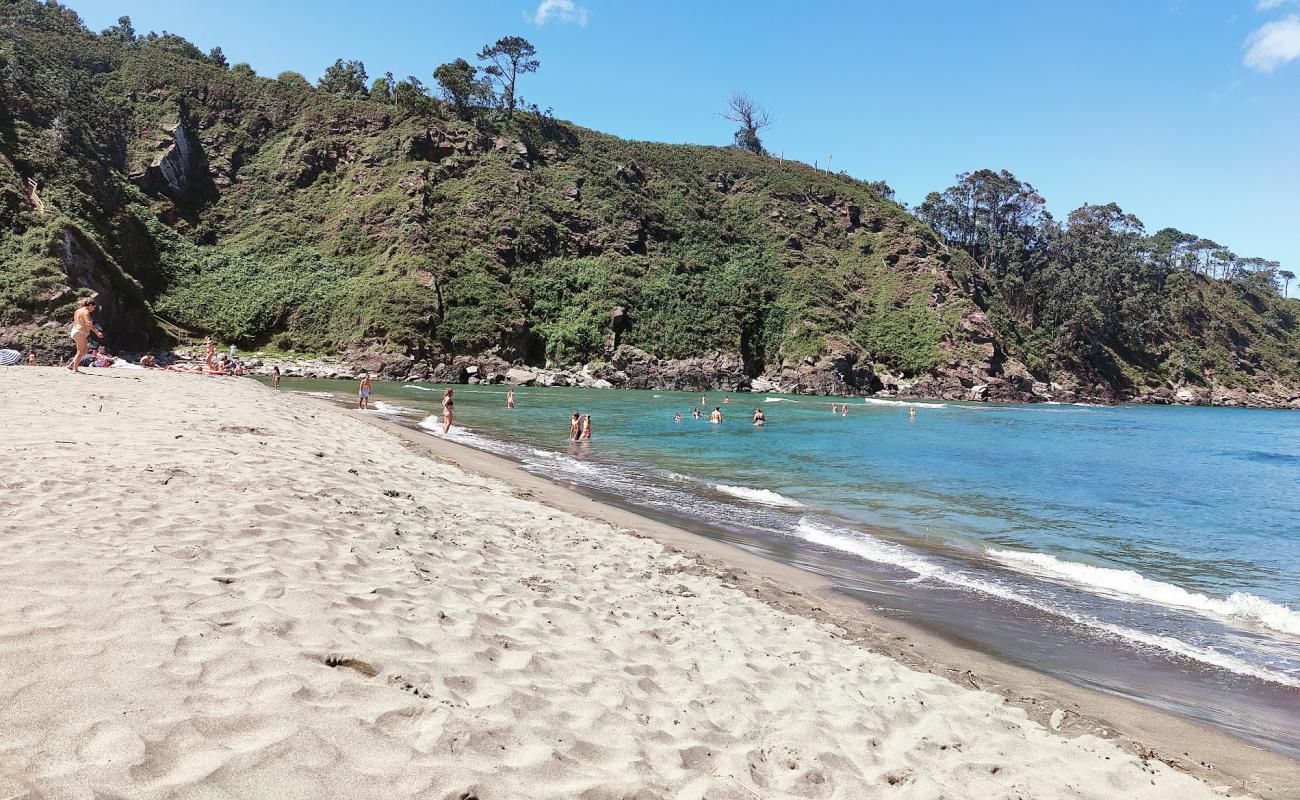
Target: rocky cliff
<point x="193" y="199"/>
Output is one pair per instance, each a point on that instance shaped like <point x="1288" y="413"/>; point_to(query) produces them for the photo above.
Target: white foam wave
<point x="778" y="400"/>
<point x="419" y="388"/>
<point x="884" y="552"/>
<point x="1129" y="585"/>
<point x="758" y="495"/>
<point x="877" y="401"/>
<point x="392" y="409"/>
<point x="321" y="395"/>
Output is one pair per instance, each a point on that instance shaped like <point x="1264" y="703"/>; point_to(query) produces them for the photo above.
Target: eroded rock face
<point x="179" y="170"/>
<point x="86" y="268"/>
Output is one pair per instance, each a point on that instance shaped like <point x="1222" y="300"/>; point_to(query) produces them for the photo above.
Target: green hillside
<point x="408" y="234"/>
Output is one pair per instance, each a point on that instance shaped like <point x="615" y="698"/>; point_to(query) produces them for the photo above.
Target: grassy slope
<point x="322" y="224"/>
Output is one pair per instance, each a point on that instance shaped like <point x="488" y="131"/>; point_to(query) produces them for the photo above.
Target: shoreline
<point x="1196" y="748"/>
<point x="216" y="589"/>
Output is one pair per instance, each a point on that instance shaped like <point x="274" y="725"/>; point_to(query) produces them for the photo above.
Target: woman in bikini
<point x="447" y="405"/>
<point x="82" y="325"/>
<point x="510" y="398"/>
<point x="586" y="426"/>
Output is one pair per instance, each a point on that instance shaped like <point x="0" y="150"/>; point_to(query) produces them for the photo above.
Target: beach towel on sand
<point x="10" y="357"/>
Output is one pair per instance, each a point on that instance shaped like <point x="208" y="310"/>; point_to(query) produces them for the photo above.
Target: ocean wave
<point x="392" y="409"/>
<point x="418" y="388"/>
<point x="778" y="400"/>
<point x="320" y="395"/>
<point x="758" y="495"/>
<point x="876" y="401"/>
<point x="881" y="551"/>
<point x="1129" y="584"/>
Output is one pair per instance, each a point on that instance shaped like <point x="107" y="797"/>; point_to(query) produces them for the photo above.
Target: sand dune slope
<point x="210" y="590"/>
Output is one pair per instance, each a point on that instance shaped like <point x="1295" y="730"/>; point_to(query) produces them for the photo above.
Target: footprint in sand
<point x="109" y="743"/>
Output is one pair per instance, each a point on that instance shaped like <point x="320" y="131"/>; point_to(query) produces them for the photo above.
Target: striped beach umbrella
<point x="10" y="357"/>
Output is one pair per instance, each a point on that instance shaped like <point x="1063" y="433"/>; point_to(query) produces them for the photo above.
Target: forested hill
<point x="420" y="236"/>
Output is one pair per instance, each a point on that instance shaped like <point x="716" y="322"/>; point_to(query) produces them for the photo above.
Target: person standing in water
<point x="363" y="391"/>
<point x="677" y="417"/>
<point x="82" y="325"/>
<point x="586" y="426"/>
<point x="275" y="377"/>
<point x="844" y="409"/>
<point x="759" y="417"/>
<point x="575" y="427"/>
<point x="695" y="412"/>
<point x="510" y="398"/>
<point x="911" y="412"/>
<point x="716" y="416"/>
<point x="447" y="406"/>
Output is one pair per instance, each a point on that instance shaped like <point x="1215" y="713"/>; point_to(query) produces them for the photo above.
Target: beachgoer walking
<point x="447" y="405"/>
<point x="510" y="398"/>
<point x="716" y="416"/>
<point x="82" y="325"/>
<point x="275" y="377"/>
<point x="363" y="400"/>
<point x="575" y="427"/>
<point x="586" y="426"/>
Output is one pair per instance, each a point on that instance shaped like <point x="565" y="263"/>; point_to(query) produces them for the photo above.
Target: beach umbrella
<point x="10" y="357"/>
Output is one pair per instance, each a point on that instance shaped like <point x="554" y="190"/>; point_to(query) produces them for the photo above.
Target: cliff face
<point x="204" y="200"/>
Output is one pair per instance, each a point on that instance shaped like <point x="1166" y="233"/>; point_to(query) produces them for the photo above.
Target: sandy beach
<point x="216" y="590"/>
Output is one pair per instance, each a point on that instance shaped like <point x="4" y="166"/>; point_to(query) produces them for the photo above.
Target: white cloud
<point x="560" y="11"/>
<point x="1273" y="45"/>
<point x="1265" y="5"/>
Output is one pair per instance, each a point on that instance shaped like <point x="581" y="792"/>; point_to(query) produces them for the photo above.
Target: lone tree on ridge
<point x="752" y="118"/>
<point x="510" y="57"/>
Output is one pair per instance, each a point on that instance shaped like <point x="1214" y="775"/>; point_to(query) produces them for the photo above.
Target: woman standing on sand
<point x="82" y="325"/>
<point x="447" y="405"/>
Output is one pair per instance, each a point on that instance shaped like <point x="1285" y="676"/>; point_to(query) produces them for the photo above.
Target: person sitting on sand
<point x="510" y="398"/>
<point x="82" y="325"/>
<point x="102" y="358"/>
<point x="147" y="361"/>
<point x="586" y="426"/>
<point x="716" y="416"/>
<point x="363" y="392"/>
<point x="447" y="405"/>
<point x="759" y="416"/>
<point x="239" y="369"/>
<point x="31" y="359"/>
<point x="575" y="427"/>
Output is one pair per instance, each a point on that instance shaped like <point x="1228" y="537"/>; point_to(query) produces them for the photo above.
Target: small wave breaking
<point x="884" y="552"/>
<point x="763" y="496"/>
<point x="1129" y="584"/>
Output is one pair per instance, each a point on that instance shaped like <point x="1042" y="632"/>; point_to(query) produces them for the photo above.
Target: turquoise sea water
<point x="1147" y="551"/>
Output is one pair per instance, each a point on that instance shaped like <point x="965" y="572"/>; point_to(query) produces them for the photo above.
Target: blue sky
<point x="1185" y="112"/>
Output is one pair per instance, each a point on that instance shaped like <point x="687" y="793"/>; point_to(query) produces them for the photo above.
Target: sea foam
<point x="1131" y="585"/>
<point x="876" y="401"/>
<point x="758" y="495"/>
<point x="885" y="552"/>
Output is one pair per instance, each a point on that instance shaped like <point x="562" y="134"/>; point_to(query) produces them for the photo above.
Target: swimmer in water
<point x="716" y="416"/>
<point x="911" y="412"/>
<point x="575" y="427"/>
<point x="725" y="400"/>
<point x="759" y="417"/>
<point x="586" y="426"/>
<point x="844" y="409"/>
<point x="510" y="398"/>
<point x="835" y="408"/>
<point x="677" y="417"/>
<point x="695" y="412"/>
